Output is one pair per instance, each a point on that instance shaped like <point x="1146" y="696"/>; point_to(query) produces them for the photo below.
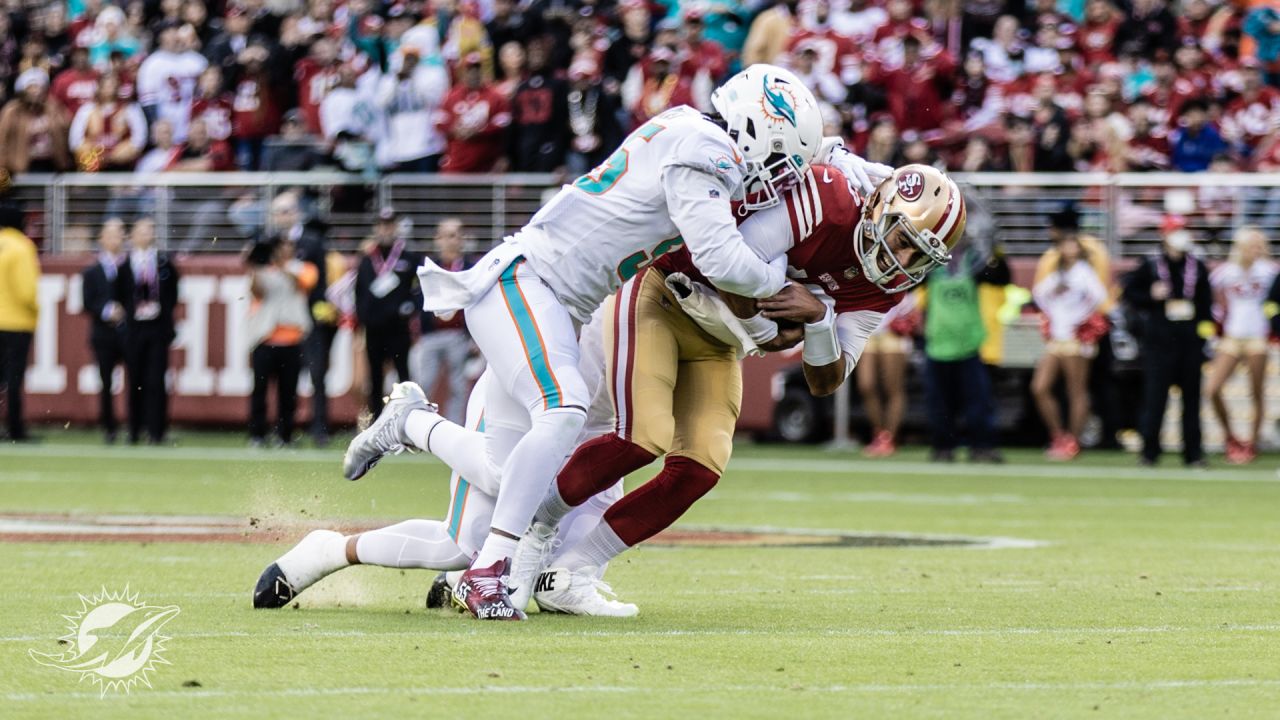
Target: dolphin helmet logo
<point x="114" y="640"/>
<point x="777" y="104"/>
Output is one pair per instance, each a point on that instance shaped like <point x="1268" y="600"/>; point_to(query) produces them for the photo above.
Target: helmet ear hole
<point x="751" y="127"/>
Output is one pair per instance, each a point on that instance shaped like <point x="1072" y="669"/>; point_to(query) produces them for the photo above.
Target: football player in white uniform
<point x="670" y="184"/>
<point x="449" y="544"/>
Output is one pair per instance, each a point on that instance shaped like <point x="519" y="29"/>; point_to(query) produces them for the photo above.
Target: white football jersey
<point x="1244" y="292"/>
<point x="669" y="184"/>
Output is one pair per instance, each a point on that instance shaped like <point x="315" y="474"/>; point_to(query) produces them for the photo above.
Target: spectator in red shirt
<point x="1254" y="115"/>
<point x="254" y="114"/>
<point x="77" y="84"/>
<point x="917" y="88"/>
<point x="1097" y="33"/>
<point x="887" y="41"/>
<point x="836" y="54"/>
<point x="315" y="75"/>
<point x="200" y="153"/>
<point x="806" y="63"/>
<point x="473" y="117"/>
<point x="703" y="53"/>
<point x="661" y="87"/>
<point x="110" y="132"/>
<point x="1146" y="145"/>
<point x="213" y="104"/>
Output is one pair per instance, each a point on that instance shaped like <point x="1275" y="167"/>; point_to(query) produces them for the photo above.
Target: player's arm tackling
<point x="833" y="342"/>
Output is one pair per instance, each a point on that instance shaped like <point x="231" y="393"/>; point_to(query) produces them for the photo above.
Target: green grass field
<point x="1147" y="594"/>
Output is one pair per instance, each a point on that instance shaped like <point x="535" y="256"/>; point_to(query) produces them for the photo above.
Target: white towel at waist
<point x="447" y="292"/>
<point x="704" y="306"/>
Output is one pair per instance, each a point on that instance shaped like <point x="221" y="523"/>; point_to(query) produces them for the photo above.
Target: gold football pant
<point x="676" y="389"/>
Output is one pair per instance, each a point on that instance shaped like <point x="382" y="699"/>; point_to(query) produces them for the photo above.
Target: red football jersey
<point x="837" y="54"/>
<point x="1249" y="120"/>
<point x="821" y="217"/>
<point x="314" y="82"/>
<point x="216" y="113"/>
<point x="74" y="88"/>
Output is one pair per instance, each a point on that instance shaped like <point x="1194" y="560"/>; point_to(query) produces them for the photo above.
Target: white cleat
<point x="532" y="555"/>
<point x="318" y="554"/>
<point x="579" y="593"/>
<point x="386" y="435"/>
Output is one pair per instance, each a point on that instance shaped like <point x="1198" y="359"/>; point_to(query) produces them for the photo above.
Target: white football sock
<point x="495" y="548"/>
<point x="461" y="449"/>
<point x="598" y="547"/>
<point x="580" y="521"/>
<point x="318" y="554"/>
<point x="411" y="544"/>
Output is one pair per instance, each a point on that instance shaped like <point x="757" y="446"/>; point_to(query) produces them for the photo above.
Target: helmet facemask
<point x="878" y="239"/>
<point x="765" y="182"/>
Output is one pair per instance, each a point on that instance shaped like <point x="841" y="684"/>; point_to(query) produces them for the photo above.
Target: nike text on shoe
<point x="579" y="593"/>
<point x="483" y="593"/>
<point x="532" y="555"/>
<point x="387" y="433"/>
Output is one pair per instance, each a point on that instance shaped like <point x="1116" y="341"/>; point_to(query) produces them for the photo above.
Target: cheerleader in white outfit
<point x="1069" y="297"/>
<point x="1240" y="288"/>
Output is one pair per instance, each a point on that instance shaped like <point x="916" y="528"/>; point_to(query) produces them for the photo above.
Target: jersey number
<point x="636" y="262"/>
<point x="608" y="173"/>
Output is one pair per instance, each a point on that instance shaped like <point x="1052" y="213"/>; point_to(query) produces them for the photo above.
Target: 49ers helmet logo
<point x="910" y="185"/>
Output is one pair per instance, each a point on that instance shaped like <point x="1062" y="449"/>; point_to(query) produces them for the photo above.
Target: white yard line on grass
<point x="788" y="465"/>
<point x="756" y="689"/>
<point x="296" y="632"/>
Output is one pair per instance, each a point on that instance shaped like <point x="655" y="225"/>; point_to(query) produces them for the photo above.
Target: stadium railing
<point x="212" y="212"/>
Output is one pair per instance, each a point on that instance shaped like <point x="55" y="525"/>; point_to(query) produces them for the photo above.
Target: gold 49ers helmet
<point x="909" y="226"/>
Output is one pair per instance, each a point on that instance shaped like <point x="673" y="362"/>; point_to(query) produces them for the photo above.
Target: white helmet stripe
<point x="953" y="212"/>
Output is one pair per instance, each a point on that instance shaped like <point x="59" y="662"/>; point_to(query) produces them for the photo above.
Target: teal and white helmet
<point x="775" y="122"/>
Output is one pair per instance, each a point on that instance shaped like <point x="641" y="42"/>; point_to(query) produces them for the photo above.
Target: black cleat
<point x="438" y="595"/>
<point x="273" y="590"/>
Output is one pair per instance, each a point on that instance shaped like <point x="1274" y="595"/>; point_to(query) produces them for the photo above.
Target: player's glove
<point x="864" y="175"/>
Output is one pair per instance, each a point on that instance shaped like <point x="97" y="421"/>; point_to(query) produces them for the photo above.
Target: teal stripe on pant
<point x="460" y="499"/>
<point x="534" y="349"/>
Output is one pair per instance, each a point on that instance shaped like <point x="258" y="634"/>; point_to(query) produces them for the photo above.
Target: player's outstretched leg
<point x="579" y="592"/>
<point x="321" y="552"/>
<point x="387" y="434"/>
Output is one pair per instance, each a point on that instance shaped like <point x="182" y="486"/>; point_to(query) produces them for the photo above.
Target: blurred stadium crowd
<point x="546" y="85"/>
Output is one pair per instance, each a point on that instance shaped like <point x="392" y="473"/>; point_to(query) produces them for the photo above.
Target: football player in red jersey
<point x="675" y="377"/>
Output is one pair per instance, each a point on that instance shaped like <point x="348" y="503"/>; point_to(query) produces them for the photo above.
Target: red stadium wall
<point x="209" y="377"/>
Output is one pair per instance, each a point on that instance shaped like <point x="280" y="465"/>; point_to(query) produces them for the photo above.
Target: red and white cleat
<point x="483" y="593"/>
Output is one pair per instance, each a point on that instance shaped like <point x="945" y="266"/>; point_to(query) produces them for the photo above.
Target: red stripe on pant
<point x="622" y="400"/>
<point x="654" y="506"/>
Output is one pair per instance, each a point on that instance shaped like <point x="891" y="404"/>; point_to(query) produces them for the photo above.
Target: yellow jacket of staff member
<point x="1098" y="257"/>
<point x="19" y="274"/>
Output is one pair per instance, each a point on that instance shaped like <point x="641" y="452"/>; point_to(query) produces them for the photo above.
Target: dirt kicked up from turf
<point x="52" y="527"/>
